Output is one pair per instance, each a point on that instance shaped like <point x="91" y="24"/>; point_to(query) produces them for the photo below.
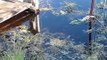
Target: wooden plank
<point x="18" y="19"/>
<point x="9" y="9"/>
<point x="14" y="13"/>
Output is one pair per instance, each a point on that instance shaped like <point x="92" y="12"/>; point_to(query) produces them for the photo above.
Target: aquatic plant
<point x="47" y="46"/>
<point x="102" y="4"/>
<point x="65" y="7"/>
<point x="98" y="23"/>
<point x="16" y="54"/>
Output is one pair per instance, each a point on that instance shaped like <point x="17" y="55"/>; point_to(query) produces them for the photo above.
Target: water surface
<point x="61" y="24"/>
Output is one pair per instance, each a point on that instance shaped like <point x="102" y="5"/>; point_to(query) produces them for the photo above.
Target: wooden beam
<point x="35" y="21"/>
<point x="18" y="19"/>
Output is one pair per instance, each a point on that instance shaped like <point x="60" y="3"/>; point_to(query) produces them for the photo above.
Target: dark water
<point x="61" y="24"/>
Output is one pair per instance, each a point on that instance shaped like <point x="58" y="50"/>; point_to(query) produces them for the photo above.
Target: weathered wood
<point x="37" y="17"/>
<point x="14" y="14"/>
<point x="9" y="9"/>
<point x="17" y="19"/>
<point x="35" y="26"/>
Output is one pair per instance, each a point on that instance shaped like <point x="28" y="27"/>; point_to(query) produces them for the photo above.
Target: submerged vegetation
<point x="65" y="7"/>
<point x="46" y="46"/>
<point x="20" y="44"/>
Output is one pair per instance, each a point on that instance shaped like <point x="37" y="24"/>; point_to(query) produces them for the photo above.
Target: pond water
<point x="61" y="24"/>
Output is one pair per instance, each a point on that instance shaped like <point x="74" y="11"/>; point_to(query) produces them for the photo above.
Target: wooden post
<point x="35" y="26"/>
<point x="90" y="27"/>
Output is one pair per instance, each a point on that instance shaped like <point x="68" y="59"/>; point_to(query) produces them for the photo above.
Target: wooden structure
<point x="14" y="13"/>
<point x="90" y="27"/>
